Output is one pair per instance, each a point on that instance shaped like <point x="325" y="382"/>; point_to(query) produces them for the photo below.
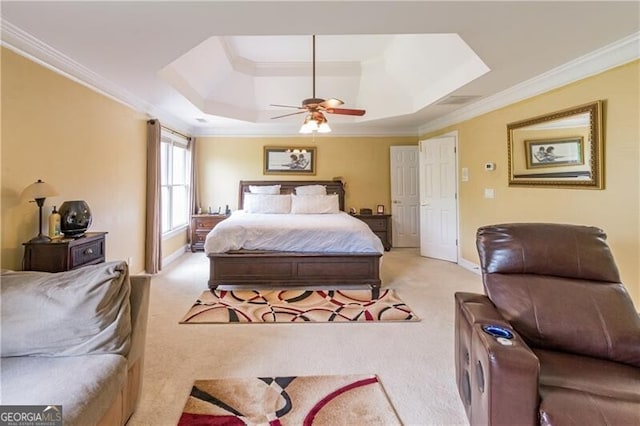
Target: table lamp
<point x="37" y="192"/>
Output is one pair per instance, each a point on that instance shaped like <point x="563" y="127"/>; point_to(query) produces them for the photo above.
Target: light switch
<point x="465" y="174"/>
<point x="489" y="193"/>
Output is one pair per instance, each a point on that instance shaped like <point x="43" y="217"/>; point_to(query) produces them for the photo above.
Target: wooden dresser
<point x="64" y="254"/>
<point x="380" y="224"/>
<point x="201" y="224"/>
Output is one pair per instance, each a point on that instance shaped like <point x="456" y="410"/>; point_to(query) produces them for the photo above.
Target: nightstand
<point x="201" y="224"/>
<point x="64" y="254"/>
<point x="380" y="224"/>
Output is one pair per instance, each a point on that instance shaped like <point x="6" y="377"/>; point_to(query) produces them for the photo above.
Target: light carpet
<point x="251" y="306"/>
<point x="304" y="400"/>
<point x="414" y="361"/>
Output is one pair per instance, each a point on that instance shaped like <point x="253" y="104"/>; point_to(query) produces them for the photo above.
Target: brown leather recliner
<point x="556" y="338"/>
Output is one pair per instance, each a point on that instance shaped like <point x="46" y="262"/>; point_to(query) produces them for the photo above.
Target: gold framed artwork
<point x="561" y="149"/>
<point x="289" y="161"/>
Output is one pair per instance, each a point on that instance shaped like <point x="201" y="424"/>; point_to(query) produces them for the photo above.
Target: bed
<point x="232" y="263"/>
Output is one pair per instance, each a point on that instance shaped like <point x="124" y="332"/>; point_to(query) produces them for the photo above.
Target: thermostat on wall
<point x="490" y="166"/>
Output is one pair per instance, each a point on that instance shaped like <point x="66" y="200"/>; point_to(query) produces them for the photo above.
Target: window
<point x="175" y="171"/>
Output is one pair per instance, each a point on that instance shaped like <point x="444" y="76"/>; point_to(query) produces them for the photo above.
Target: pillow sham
<point x="264" y="189"/>
<point x="311" y="190"/>
<point x="315" y="204"/>
<point x="267" y="203"/>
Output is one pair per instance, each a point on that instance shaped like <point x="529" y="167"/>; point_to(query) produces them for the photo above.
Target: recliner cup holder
<point x="497" y="331"/>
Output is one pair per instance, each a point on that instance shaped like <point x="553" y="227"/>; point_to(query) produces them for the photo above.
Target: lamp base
<point x="40" y="239"/>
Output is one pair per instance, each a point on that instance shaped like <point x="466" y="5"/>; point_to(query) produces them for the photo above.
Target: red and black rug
<point x="304" y="400"/>
<point x="248" y="306"/>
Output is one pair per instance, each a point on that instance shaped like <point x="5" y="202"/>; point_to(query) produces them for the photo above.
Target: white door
<point x="438" y="204"/>
<point x="405" y="198"/>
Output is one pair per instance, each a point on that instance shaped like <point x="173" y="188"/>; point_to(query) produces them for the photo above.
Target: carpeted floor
<point x="296" y="401"/>
<point x="414" y="361"/>
<point x="250" y="306"/>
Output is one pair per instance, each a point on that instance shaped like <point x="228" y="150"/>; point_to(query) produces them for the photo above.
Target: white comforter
<point x="331" y="233"/>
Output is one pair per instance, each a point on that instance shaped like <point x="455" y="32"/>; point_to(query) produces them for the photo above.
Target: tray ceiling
<point x="215" y="67"/>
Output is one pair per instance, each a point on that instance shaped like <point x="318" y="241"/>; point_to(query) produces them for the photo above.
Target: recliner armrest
<point x="478" y="309"/>
<point x="504" y="380"/>
<point x="498" y="384"/>
<point x="471" y="308"/>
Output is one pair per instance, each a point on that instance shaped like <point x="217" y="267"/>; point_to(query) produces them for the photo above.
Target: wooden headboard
<point x="288" y="187"/>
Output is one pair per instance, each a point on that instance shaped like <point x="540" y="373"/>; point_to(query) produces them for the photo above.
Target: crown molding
<point x="41" y="53"/>
<point x="613" y="55"/>
<point x="26" y="45"/>
<point x="618" y="53"/>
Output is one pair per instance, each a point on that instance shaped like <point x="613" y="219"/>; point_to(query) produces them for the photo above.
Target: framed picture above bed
<point x="280" y="160"/>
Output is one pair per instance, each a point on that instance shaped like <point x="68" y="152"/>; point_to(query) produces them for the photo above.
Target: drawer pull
<point x="88" y="251"/>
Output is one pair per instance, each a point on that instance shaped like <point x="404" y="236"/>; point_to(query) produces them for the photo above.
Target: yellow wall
<point x="173" y="244"/>
<point x="362" y="162"/>
<point x="84" y="144"/>
<point x="614" y="209"/>
<point x="93" y="148"/>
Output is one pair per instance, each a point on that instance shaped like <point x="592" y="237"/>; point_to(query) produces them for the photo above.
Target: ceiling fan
<point x="316" y="107"/>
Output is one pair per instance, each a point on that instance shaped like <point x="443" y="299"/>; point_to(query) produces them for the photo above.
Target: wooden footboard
<point x="264" y="268"/>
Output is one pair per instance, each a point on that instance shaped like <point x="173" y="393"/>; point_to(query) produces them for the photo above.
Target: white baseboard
<point x="469" y="265"/>
<point x="166" y="261"/>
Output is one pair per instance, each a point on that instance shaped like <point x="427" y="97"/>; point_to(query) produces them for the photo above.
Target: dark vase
<point x="75" y="218"/>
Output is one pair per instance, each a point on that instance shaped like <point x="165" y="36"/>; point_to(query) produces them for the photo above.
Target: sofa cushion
<point x="561" y="407"/>
<point x="583" y="390"/>
<point x="587" y="374"/>
<point x="77" y="312"/>
<point x="569" y="315"/>
<point x="85" y="386"/>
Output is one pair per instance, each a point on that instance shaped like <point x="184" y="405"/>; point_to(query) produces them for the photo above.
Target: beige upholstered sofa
<point x="75" y="339"/>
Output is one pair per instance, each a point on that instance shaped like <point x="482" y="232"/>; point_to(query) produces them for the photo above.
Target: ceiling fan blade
<point x="293" y="113"/>
<point x="345" y="111"/>
<point x="286" y="106"/>
<point x="331" y="103"/>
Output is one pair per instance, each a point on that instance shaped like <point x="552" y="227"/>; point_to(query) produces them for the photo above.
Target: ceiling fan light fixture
<point x="324" y="128"/>
<point x="309" y="125"/>
<point x="315" y="122"/>
<point x="312" y="123"/>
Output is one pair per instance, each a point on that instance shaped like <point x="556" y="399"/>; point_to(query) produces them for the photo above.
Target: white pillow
<point x="267" y="203"/>
<point x="315" y="204"/>
<point x="264" y="189"/>
<point x="311" y="190"/>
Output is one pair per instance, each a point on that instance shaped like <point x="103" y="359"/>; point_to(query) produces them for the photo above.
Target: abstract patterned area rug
<point x="304" y="400"/>
<point x="250" y="306"/>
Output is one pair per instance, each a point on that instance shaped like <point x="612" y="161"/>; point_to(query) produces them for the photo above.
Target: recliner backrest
<point x="558" y="286"/>
<point x="570" y="251"/>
